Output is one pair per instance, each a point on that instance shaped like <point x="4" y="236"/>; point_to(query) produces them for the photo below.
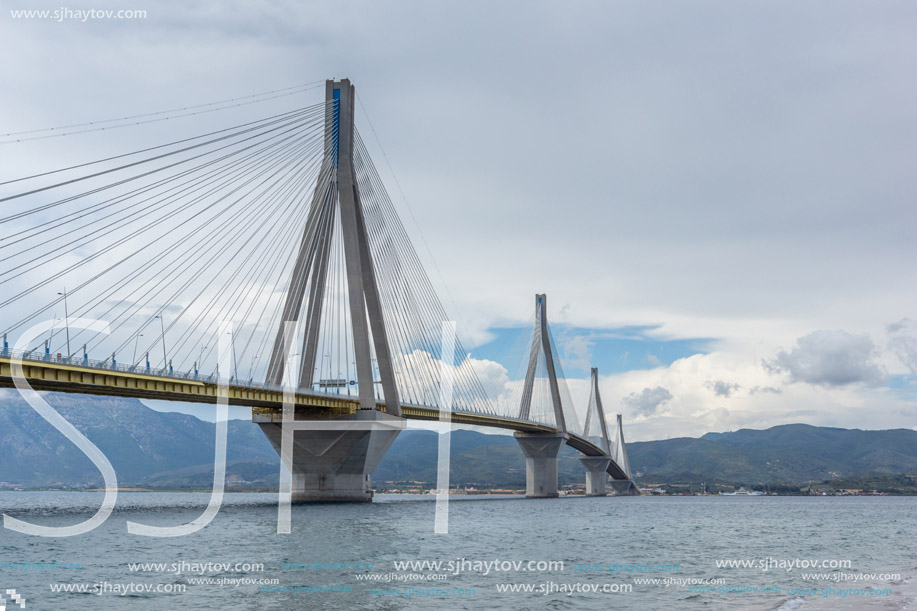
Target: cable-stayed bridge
<point x="267" y="265"/>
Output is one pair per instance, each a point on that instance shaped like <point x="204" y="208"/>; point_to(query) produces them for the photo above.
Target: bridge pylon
<point x="337" y="196"/>
<point x="335" y="465"/>
<point x="541" y="449"/>
<point x="620" y="450"/>
<point x="619" y="453"/>
<point x="596" y="430"/>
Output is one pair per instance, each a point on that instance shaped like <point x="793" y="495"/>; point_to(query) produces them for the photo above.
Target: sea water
<point x="499" y="553"/>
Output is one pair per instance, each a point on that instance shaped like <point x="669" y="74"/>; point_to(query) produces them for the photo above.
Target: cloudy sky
<point x="717" y="197"/>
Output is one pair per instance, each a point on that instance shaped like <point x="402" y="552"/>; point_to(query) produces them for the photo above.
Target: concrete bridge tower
<point x="541" y="449"/>
<point x="335" y="463"/>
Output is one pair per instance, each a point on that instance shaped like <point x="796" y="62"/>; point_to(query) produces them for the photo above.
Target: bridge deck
<point x="65" y="377"/>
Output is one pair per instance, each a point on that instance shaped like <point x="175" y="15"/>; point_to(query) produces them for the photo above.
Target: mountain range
<point x="170" y="450"/>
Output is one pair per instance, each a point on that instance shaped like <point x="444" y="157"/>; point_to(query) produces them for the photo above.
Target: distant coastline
<point x="171" y="452"/>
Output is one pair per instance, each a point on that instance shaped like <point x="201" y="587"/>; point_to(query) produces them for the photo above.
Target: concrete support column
<point x="624" y="488"/>
<point x="541" y="452"/>
<point x="334" y="465"/>
<point x="596" y="477"/>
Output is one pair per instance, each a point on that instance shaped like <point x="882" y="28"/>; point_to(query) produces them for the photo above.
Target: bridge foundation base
<point x="335" y="464"/>
<point x="596" y="475"/>
<point x="540" y="452"/>
<point x="624" y="488"/>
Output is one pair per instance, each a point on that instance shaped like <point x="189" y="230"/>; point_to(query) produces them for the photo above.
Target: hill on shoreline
<point x="154" y="449"/>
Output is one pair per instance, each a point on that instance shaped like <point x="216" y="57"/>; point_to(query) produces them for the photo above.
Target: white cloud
<point x="648" y="401"/>
<point x="758" y="398"/>
<point x="830" y="358"/>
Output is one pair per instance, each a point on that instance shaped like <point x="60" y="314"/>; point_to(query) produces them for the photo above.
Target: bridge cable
<point x="297" y="89"/>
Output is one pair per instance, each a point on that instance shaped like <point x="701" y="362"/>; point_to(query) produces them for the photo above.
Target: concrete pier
<point x="541" y="452"/>
<point x="625" y="488"/>
<point x="596" y="475"/>
<point x="335" y="464"/>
